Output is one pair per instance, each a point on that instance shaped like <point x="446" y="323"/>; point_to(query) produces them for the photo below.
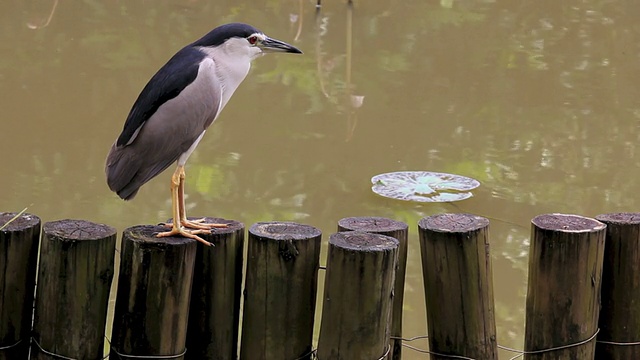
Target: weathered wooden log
<point x="214" y="315"/>
<point x="620" y="313"/>
<point x="358" y="296"/>
<point x="74" y="281"/>
<point x="154" y="290"/>
<point x="399" y="231"/>
<point x="19" y="243"/>
<point x="280" y="291"/>
<point x="563" y="295"/>
<point x="458" y="286"/>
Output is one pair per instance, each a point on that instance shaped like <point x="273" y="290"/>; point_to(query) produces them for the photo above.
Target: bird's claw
<point x="191" y="234"/>
<point x="198" y="224"/>
<point x="201" y="224"/>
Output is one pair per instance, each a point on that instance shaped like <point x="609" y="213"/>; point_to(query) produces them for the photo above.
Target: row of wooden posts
<point x="175" y="294"/>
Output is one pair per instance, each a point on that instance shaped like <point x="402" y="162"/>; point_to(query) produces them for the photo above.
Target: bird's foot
<point x="201" y="224"/>
<point x="191" y="234"/>
<point x="198" y="224"/>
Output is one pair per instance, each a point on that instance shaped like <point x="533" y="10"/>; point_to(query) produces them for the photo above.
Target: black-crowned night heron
<point x="174" y="110"/>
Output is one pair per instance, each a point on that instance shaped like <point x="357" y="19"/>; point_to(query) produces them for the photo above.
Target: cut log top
<point x="75" y="230"/>
<point x="567" y="223"/>
<point x="283" y="230"/>
<point x="453" y="223"/>
<point x="363" y="241"/>
<point x="371" y="224"/>
<point x="22" y="222"/>
<point x="620" y="218"/>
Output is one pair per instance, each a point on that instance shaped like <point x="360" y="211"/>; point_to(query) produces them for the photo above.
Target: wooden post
<point x="399" y="231"/>
<point x="214" y="315"/>
<point x="620" y="314"/>
<point x="357" y="296"/>
<point x="280" y="291"/>
<point x="74" y="280"/>
<point x="154" y="289"/>
<point x="458" y="286"/>
<point x="563" y="296"/>
<point x="18" y="262"/>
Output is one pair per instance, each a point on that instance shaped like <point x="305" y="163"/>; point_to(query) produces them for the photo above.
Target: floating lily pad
<point x="423" y="186"/>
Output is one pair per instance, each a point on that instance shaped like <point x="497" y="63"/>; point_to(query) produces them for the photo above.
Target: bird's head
<point x="238" y="38"/>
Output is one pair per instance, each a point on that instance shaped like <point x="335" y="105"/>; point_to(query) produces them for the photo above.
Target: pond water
<point x="539" y="101"/>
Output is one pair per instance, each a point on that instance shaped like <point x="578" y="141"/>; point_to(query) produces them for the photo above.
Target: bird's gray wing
<point x="180" y="71"/>
<point x="168" y="117"/>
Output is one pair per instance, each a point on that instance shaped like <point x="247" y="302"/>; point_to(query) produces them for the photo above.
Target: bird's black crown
<point x="225" y="32"/>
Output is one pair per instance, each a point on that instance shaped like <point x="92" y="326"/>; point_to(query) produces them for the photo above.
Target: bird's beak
<point x="273" y="45"/>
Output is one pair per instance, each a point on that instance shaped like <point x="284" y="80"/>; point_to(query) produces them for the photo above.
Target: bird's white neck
<point x="232" y="63"/>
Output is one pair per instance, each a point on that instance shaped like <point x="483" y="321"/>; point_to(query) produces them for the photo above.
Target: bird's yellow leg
<point x="176" y="228"/>
<point x="181" y="204"/>
<point x="191" y="224"/>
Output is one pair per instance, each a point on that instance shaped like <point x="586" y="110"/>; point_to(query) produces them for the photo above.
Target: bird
<point x="175" y="109"/>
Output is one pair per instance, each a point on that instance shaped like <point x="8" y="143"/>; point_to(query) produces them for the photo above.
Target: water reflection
<point x="537" y="100"/>
<point x="43" y="21"/>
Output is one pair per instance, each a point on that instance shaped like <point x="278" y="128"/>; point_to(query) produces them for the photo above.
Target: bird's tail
<point x="121" y="170"/>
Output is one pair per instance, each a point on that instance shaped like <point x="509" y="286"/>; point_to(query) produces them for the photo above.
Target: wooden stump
<point x="458" y="286"/>
<point x="358" y="296"/>
<point x="154" y="290"/>
<point x="563" y="296"/>
<point x="620" y="314"/>
<point x="280" y="291"/>
<point x="399" y="231"/>
<point x="214" y="314"/>
<point x="18" y="262"/>
<point x="74" y="280"/>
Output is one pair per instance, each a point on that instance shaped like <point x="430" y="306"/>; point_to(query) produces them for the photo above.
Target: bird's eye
<point x="253" y="40"/>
